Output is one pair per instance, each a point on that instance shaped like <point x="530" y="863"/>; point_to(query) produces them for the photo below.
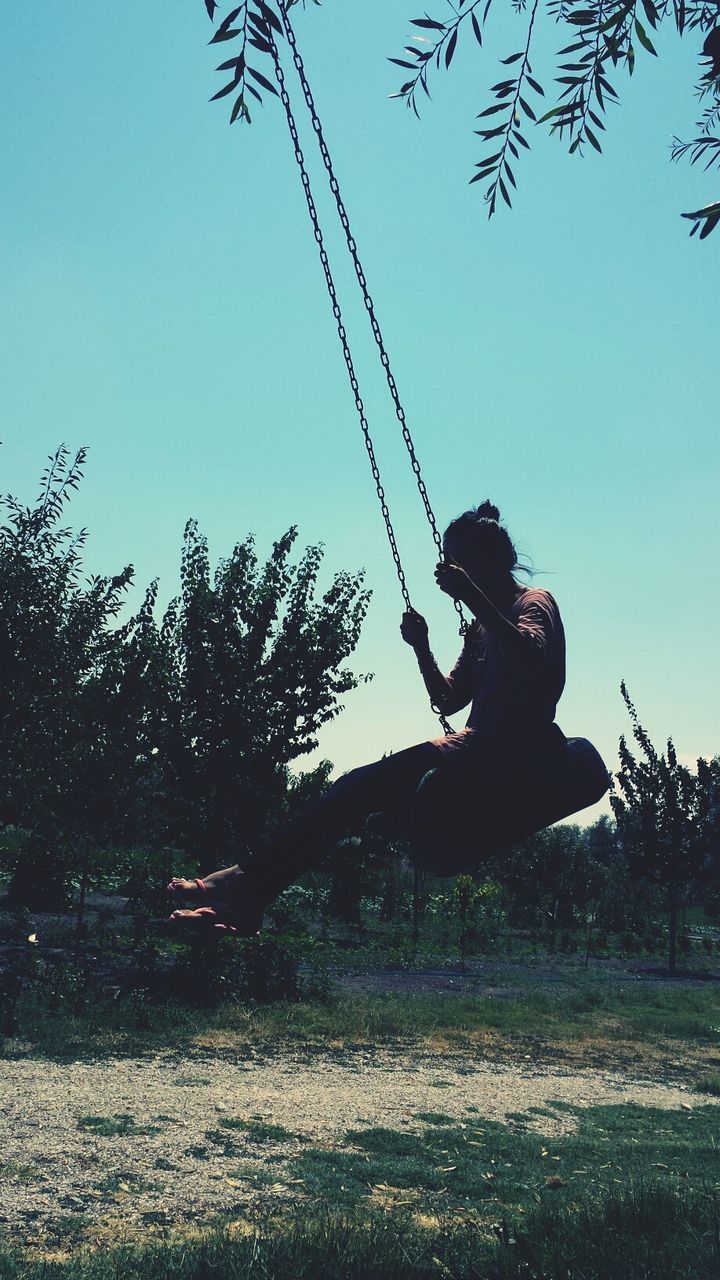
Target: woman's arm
<point x="448" y="693"/>
<point x="517" y="642"/>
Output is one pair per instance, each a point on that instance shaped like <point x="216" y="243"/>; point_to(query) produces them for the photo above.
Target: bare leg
<point x="388" y="784"/>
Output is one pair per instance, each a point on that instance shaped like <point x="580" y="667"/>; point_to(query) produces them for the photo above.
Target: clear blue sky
<point x="162" y="303"/>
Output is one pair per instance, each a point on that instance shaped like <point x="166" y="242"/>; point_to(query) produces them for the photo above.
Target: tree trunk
<point x="673" y="922"/>
<point x="84" y="876"/>
<point x="416" y="911"/>
<point x="591" y="925"/>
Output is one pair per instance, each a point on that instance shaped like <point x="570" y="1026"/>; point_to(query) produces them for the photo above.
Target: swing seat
<point x="465" y="815"/>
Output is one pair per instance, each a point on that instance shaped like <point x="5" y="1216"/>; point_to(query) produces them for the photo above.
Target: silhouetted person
<point x="511" y="671"/>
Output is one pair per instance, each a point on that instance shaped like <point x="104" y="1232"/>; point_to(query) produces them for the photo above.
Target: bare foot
<point x="246" y="923"/>
<point x="219" y="886"/>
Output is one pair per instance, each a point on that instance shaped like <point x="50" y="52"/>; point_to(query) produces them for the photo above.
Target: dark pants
<point x="477" y="797"/>
<point x="386" y="786"/>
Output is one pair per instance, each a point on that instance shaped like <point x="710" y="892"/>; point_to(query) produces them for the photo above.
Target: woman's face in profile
<point x="479" y="568"/>
<point x="458" y="552"/>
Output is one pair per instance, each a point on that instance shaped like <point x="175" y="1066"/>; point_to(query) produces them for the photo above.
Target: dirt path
<point x="166" y="1160"/>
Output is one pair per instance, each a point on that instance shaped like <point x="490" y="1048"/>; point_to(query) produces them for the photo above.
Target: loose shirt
<point x="511" y="695"/>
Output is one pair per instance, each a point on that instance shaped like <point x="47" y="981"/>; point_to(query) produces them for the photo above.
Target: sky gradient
<point x="162" y="303"/>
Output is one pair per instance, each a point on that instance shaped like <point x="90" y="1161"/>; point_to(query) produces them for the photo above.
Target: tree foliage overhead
<point x="601" y="40"/>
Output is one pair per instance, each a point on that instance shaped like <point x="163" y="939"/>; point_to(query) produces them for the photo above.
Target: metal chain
<point x="367" y="297"/>
<point x="342" y="334"/>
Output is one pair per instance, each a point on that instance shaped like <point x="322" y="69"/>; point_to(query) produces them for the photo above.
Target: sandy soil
<point x="170" y="1168"/>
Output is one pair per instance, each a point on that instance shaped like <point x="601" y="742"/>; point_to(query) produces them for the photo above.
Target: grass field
<point x="645" y="1232"/>
<point x="617" y="1192"/>
<point x="634" y="1025"/>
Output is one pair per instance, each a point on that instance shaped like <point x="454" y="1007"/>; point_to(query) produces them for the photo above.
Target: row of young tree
<point x="176" y="730"/>
<point x="179" y="731"/>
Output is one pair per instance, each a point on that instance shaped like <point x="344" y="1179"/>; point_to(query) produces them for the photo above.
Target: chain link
<point x="367" y="297"/>
<point x="342" y="334"/>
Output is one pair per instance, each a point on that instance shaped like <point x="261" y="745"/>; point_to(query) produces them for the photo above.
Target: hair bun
<point x="487" y="511"/>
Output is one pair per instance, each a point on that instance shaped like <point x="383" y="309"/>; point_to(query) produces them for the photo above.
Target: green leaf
<point x="650" y="12"/>
<point x="490" y="111"/>
<point x="263" y="80"/>
<point x="615" y="20"/>
<point x="238" y="108"/>
<point x="554" y="111"/>
<point x="225" y="31"/>
<point x="228" y="88"/>
<point x="710" y="225"/>
<point x="487" y="134"/>
<point x="269" y="16"/>
<point x="644" y="38"/>
<point x="230" y="34"/>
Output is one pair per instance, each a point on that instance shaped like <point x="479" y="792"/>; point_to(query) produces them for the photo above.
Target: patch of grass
<point x="15" y="1171"/>
<point x="198" y="1152"/>
<point x="115" y="1126"/>
<point x="434" y="1117"/>
<point x="126" y="1182"/>
<point x="451" y="1167"/>
<point x="641" y="1233"/>
<point x="260" y="1130"/>
<point x="647" y="1014"/>
<point x="709" y="1083"/>
<point x="68" y="1229"/>
<point x="252" y="1175"/>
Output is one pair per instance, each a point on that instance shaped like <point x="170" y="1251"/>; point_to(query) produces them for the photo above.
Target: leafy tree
<point x="471" y="898"/>
<point x="601" y="39"/>
<point x="179" y="732"/>
<point x="55" y="640"/>
<point x="667" y="817"/>
<point x="548" y="873"/>
<point x="256" y="669"/>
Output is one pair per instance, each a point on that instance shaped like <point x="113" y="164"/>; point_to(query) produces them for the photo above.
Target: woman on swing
<point x="512" y="672"/>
